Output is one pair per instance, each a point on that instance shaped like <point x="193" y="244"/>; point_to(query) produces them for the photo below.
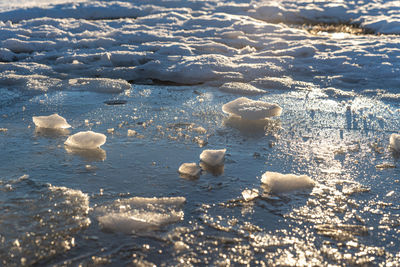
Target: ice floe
<point x="189" y="170"/>
<point x="54" y="121"/>
<point x="395" y="142"/>
<point x="138" y="214"/>
<point x="86" y="140"/>
<point x="278" y="183"/>
<point x="213" y="158"/>
<point x="249" y="109"/>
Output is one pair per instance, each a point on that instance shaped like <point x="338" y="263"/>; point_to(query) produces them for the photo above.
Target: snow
<point x="139" y="214"/>
<point x="395" y="142"/>
<point x="189" y="169"/>
<point x="240" y="88"/>
<point x="279" y="183"/>
<point x="212" y="157"/>
<point x="54" y="121"/>
<point x="227" y="45"/>
<point x="248" y="109"/>
<point x="86" y="140"/>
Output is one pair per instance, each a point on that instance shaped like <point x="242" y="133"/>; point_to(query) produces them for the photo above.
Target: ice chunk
<point x="189" y="169"/>
<point x="279" y="183"/>
<point x="240" y="88"/>
<point x="250" y="194"/>
<point x="213" y="157"/>
<point x="86" y="140"/>
<point x="250" y="109"/>
<point x="395" y="142"/>
<point x="140" y="214"/>
<point x="131" y="132"/>
<point x="54" y="121"/>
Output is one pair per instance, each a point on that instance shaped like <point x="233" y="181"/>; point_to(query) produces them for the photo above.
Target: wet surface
<point x="350" y="217"/>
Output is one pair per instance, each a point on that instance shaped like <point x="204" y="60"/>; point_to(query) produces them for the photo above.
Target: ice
<point x="278" y="183"/>
<point x="250" y="194"/>
<point x="101" y="85"/>
<point x="54" y="121"/>
<point x="395" y="142"/>
<point x="190" y="169"/>
<point x="138" y="214"/>
<point x="248" y="109"/>
<point x="240" y="88"/>
<point x="131" y="132"/>
<point x="213" y="158"/>
<point x="86" y="140"/>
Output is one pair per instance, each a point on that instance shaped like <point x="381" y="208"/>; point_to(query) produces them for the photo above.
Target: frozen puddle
<point x="139" y="214"/>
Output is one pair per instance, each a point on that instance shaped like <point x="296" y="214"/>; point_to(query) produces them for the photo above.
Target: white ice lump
<point x="251" y="109"/>
<point x="395" y="142"/>
<point x="190" y="169"/>
<point x="213" y="157"/>
<point x="54" y="121"/>
<point x="86" y="140"/>
<point x="279" y="183"/>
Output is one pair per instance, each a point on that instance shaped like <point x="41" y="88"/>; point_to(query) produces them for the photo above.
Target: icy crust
<point x="86" y="140"/>
<point x="139" y="214"/>
<point x="192" y="42"/>
<point x="279" y="183"/>
<point x="213" y="157"/>
<point x="395" y="142"/>
<point x="54" y="121"/>
<point x="249" y="109"/>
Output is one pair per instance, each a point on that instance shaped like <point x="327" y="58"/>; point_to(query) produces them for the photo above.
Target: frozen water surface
<point x="148" y="74"/>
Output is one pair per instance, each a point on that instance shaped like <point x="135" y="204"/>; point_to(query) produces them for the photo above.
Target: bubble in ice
<point x="279" y="183"/>
<point x="395" y="142"/>
<point x="86" y="140"/>
<point x="54" y="121"/>
<point x="213" y="157"/>
<point x="249" y="109"/>
<point x="189" y="169"/>
<point x="240" y="88"/>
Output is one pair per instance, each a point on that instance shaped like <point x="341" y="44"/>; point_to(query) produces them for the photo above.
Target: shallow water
<point x="350" y="217"/>
<point x="126" y="204"/>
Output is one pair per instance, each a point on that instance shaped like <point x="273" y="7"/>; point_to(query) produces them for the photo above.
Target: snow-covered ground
<point x="154" y="79"/>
